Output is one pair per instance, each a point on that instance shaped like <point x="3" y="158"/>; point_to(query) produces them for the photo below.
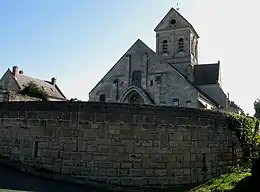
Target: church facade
<point x="170" y="76"/>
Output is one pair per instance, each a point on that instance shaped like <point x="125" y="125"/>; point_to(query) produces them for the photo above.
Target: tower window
<point x="165" y="46"/>
<point x="181" y="44"/>
<point x="196" y="49"/>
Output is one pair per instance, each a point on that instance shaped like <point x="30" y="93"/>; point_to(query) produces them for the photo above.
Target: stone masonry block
<point x="71" y="146"/>
<point x="140" y="181"/>
<point x="50" y="153"/>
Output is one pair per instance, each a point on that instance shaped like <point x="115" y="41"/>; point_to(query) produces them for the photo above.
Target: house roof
<point x="52" y="90"/>
<point x="206" y="74"/>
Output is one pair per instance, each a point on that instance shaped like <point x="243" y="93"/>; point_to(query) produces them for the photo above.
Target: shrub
<point x="31" y="89"/>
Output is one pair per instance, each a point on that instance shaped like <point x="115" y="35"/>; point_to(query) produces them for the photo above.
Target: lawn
<point x="234" y="182"/>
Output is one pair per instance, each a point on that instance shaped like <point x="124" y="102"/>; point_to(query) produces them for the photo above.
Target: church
<point x="169" y="76"/>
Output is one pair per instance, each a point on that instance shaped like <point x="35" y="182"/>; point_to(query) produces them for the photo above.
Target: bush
<point x="247" y="131"/>
<point x="32" y="90"/>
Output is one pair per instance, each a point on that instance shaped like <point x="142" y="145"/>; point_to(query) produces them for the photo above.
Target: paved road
<point x="14" y="180"/>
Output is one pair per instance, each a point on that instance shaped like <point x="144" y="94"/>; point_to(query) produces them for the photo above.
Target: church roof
<point x="206" y="74"/>
<point x="202" y="93"/>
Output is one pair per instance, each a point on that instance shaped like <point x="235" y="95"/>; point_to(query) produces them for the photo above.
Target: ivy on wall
<point x="31" y="89"/>
<point x="247" y="131"/>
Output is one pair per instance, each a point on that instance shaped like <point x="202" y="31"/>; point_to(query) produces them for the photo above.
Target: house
<point x="170" y="76"/>
<point x="13" y="82"/>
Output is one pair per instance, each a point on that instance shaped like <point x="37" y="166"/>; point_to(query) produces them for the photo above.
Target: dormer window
<point x="181" y="45"/>
<point x="165" y="47"/>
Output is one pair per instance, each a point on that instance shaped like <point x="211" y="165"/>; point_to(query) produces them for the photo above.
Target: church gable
<point x="119" y="75"/>
<point x="173" y="20"/>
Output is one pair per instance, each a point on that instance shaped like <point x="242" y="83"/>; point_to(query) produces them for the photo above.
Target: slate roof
<point x="202" y="93"/>
<point x="52" y="90"/>
<point x="206" y="74"/>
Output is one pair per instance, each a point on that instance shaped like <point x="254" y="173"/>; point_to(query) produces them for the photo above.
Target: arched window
<point x="165" y="46"/>
<point x="196" y="48"/>
<point x="181" y="44"/>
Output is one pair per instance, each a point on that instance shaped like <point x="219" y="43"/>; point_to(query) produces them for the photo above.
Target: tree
<point x="235" y="106"/>
<point x="257" y="108"/>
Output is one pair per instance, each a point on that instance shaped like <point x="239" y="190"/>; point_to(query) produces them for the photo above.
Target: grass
<point x="233" y="182"/>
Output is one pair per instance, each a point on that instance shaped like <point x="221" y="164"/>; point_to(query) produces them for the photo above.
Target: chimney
<point x="15" y="70"/>
<point x="21" y="72"/>
<point x="53" y="81"/>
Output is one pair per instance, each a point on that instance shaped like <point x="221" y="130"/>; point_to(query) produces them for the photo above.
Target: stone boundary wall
<point x="12" y="96"/>
<point x="18" y="97"/>
<point x="119" y="143"/>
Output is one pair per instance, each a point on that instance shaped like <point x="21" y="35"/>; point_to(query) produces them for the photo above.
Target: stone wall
<point x="118" y="143"/>
<point x="19" y="97"/>
<point x="6" y="96"/>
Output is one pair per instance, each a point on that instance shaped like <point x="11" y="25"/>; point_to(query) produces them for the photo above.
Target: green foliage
<point x="257" y="108"/>
<point x="32" y="90"/>
<point x="247" y="131"/>
<point x="235" y="106"/>
<point x="224" y="183"/>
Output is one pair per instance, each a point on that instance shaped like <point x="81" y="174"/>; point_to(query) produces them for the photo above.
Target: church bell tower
<point x="177" y="42"/>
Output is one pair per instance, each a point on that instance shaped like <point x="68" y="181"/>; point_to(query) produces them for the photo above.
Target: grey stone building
<point x="170" y="76"/>
<point x="13" y="81"/>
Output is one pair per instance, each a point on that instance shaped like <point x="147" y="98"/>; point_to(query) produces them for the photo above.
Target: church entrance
<point x="135" y="98"/>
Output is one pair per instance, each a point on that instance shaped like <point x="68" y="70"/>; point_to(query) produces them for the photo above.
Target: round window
<point x="173" y="22"/>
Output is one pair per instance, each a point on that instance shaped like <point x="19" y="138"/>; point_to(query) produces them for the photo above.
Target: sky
<point x="78" y="41"/>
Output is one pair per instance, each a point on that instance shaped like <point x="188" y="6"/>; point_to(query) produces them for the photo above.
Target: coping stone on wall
<point x="97" y="107"/>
